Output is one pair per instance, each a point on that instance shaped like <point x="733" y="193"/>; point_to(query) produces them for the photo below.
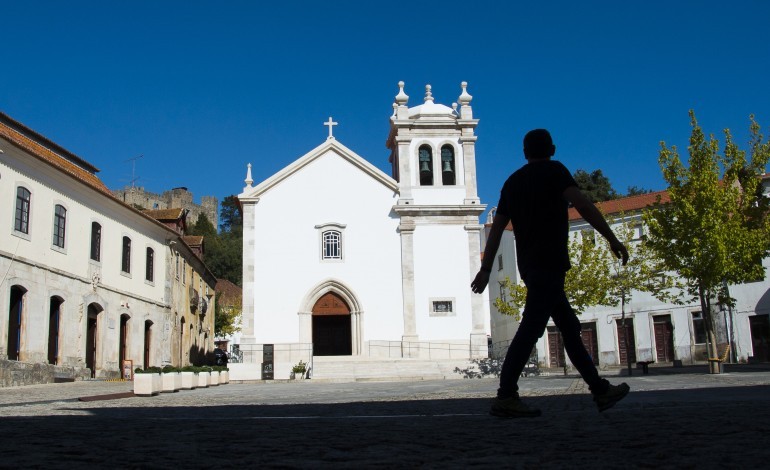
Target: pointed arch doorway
<point x="332" y="335"/>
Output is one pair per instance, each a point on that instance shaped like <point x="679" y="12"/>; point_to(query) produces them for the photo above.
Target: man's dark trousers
<point x="546" y="298"/>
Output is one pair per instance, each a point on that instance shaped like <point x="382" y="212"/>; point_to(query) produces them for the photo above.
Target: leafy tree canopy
<point x="595" y="185"/>
<point x="715" y="230"/>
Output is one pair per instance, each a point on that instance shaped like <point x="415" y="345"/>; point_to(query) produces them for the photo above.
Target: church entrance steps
<point x="357" y="368"/>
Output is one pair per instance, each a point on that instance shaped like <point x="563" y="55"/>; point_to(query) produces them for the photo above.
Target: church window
<point x="331" y="240"/>
<point x="426" y="165"/>
<point x="332" y="245"/>
<point x="59" y="225"/>
<point x="442" y="307"/>
<point x="125" y="264"/>
<point x="448" y="165"/>
<point x="96" y="241"/>
<point x="21" y="223"/>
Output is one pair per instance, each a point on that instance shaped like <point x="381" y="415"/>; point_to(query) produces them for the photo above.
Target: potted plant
<point x="204" y="376"/>
<point x="299" y="370"/>
<point x="147" y="382"/>
<point x="189" y="377"/>
<point x="224" y="375"/>
<point x="214" y="376"/>
<point x="171" y="378"/>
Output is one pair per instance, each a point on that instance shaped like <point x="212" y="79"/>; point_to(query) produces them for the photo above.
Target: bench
<point x="645" y="365"/>
<point x="721" y="359"/>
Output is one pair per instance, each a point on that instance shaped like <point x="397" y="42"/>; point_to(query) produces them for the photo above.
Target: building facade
<point x="651" y="330"/>
<point x="369" y="265"/>
<point x="86" y="280"/>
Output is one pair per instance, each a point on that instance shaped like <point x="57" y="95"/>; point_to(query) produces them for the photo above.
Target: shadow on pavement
<point x="697" y="427"/>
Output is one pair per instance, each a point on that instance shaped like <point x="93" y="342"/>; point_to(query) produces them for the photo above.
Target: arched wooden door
<point x="331" y="326"/>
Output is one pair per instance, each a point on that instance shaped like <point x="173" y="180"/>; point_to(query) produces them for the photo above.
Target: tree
<point x="203" y="227"/>
<point x="637" y="191"/>
<point x="227" y="315"/>
<point x="230" y="216"/>
<point x="644" y="272"/>
<point x="223" y="250"/>
<point x="597" y="277"/>
<point x="587" y="283"/>
<point x="713" y="231"/>
<point x="595" y="185"/>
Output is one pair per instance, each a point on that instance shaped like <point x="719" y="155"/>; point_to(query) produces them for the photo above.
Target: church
<point x="366" y="265"/>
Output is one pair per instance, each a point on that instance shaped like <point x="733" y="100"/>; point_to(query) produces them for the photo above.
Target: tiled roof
<point x="227" y="292"/>
<point x="46" y="150"/>
<point x="625" y="204"/>
<point x="165" y="214"/>
<point x="193" y="240"/>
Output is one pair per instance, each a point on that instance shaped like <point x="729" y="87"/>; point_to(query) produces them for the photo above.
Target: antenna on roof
<point x="134" y="178"/>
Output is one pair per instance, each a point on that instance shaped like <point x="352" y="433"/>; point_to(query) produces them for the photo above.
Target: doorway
<point x="331" y="326"/>
<point x="555" y="348"/>
<point x="54" y="318"/>
<point x="664" y="338"/>
<point x="92" y="337"/>
<point x="589" y="337"/>
<point x="626" y="333"/>
<point x="15" y="322"/>
<point x="760" y="337"/>
<point x="123" y="347"/>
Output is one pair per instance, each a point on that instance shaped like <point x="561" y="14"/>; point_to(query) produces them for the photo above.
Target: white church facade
<point x="367" y="264"/>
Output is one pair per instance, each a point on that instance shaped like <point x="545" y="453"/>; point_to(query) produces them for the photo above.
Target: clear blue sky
<point x="201" y="88"/>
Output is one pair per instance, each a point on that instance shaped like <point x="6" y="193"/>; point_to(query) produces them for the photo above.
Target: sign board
<point x="267" y="362"/>
<point x="128" y="369"/>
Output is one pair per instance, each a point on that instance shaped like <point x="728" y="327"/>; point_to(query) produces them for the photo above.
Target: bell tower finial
<point x="249" y="181"/>
<point x="428" y="94"/>
<point x="401" y="98"/>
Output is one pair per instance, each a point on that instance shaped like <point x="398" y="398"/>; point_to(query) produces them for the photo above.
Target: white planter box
<point x="214" y="378"/>
<point x="224" y="377"/>
<point x="189" y="380"/>
<point x="146" y="385"/>
<point x="170" y="382"/>
<point x="203" y="379"/>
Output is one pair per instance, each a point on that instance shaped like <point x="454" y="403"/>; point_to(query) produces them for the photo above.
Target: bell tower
<point x="433" y="149"/>
<point x="433" y="159"/>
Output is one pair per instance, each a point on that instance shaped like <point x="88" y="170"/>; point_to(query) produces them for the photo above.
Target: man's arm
<point x="490" y="250"/>
<point x="592" y="215"/>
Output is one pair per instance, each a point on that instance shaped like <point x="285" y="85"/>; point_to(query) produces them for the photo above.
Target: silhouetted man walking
<point x="535" y="200"/>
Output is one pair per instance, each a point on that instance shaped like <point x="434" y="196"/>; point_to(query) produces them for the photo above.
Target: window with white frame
<point x="125" y="262"/>
<point x="150" y="265"/>
<point x="21" y="221"/>
<point x="332" y="244"/>
<point x="96" y="241"/>
<point x="442" y="307"/>
<point x="331" y="240"/>
<point x="59" y="225"/>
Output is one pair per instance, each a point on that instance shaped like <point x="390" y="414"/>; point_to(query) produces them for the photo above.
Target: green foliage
<point x="224" y="250"/>
<point x="587" y="283"/>
<point x="227" y="317"/>
<point x="299" y="368"/>
<point x="595" y="185"/>
<point x="714" y="230"/>
<point x="597" y="277"/>
<point x="637" y="191"/>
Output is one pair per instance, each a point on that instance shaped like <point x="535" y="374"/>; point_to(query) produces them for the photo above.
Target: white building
<point x="341" y="259"/>
<point x="657" y="332"/>
<point x="87" y="281"/>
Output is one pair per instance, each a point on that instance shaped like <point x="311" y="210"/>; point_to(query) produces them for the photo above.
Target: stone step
<point x="367" y="368"/>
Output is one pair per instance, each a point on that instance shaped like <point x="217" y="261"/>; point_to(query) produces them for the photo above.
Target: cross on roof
<point x="330" y="123"/>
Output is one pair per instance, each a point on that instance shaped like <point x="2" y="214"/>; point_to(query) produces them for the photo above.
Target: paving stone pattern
<point x="683" y="420"/>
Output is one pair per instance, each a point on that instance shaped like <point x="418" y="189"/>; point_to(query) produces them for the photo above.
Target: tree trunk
<point x="711" y="337"/>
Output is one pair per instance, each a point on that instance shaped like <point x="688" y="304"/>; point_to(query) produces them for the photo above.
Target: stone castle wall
<point x="177" y="197"/>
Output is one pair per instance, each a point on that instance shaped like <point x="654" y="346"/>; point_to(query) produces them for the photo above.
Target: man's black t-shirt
<point x="532" y="198"/>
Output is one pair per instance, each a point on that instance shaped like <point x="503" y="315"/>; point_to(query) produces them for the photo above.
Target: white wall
<point x="287" y="245"/>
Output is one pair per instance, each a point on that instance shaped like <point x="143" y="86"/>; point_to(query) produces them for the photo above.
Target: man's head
<point x="538" y="145"/>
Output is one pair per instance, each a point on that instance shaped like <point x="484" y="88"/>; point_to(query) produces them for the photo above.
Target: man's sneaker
<point x="512" y="408"/>
<point x="614" y="394"/>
